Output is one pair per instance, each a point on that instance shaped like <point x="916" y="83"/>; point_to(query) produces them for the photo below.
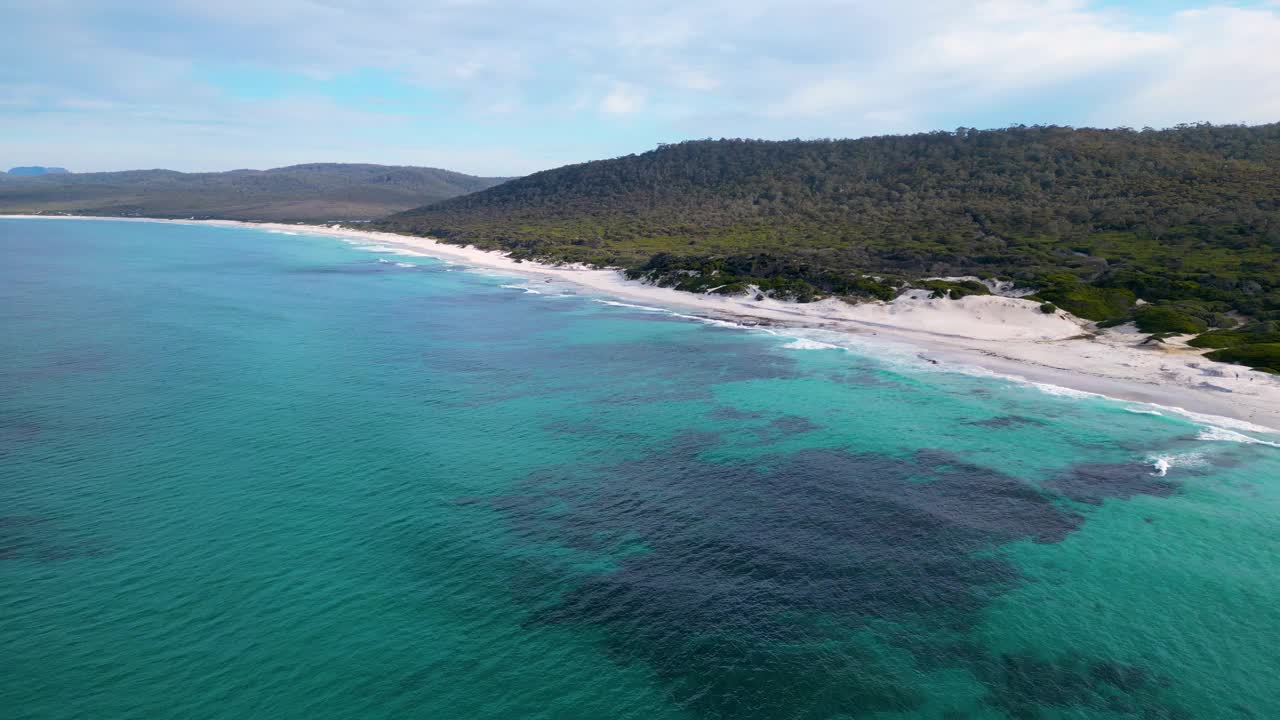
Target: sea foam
<point x="697" y="318"/>
<point x="649" y="308"/>
<point x="525" y="288"/>
<point x="807" y="344"/>
<point x="1164" y="463"/>
<point x="1214" y="433"/>
<point x="382" y="249"/>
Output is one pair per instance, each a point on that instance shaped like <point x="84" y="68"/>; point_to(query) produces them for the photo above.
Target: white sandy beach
<point x="1004" y="335"/>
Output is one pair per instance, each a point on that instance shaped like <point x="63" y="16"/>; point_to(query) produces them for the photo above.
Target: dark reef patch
<point x="562" y="426"/>
<point x="35" y="537"/>
<point x="778" y="588"/>
<point x="1093" y="483"/>
<point x="863" y="376"/>
<point x="784" y="427"/>
<point x="14" y="433"/>
<point x="1025" y="686"/>
<point x="732" y="413"/>
<point x="1006" y="421"/>
<point x="65" y="363"/>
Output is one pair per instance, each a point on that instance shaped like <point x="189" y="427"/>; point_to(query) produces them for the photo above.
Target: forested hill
<point x="315" y="192"/>
<point x="1189" y="211"/>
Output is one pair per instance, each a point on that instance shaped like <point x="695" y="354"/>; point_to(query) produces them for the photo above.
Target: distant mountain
<point x="316" y="192"/>
<point x="32" y="170"/>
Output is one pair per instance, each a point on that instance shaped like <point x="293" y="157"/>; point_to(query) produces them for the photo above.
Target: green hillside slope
<point x="1186" y="218"/>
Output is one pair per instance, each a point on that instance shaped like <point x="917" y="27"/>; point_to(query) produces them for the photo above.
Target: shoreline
<point x="1007" y="337"/>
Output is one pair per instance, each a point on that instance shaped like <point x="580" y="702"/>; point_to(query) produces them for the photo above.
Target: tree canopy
<point x="1187" y="218"/>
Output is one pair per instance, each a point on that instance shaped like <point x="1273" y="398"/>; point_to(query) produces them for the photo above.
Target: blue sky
<point x="500" y="88"/>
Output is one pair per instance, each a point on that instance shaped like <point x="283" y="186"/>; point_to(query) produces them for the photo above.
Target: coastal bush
<point x="779" y="277"/>
<point x="733" y="288"/>
<point x="1164" y="319"/>
<point x="866" y="287"/>
<point x="1178" y="216"/>
<point x="789" y="289"/>
<point x="1262" y="356"/>
<point x="953" y="290"/>
<point x="1218" y="339"/>
<point x="1086" y="301"/>
<point x="1250" y="334"/>
<point x="1048" y="308"/>
<point x="1159" y="337"/>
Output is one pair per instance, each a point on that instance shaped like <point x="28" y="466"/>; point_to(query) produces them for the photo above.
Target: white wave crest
<point x="697" y="318"/>
<point x="405" y="265"/>
<point x="807" y="344"/>
<point x="712" y="321"/>
<point x="649" y="308"/>
<point x="384" y="249"/>
<point x="1221" y="434"/>
<point x="1059" y="391"/>
<point x="525" y="288"/>
<point x="1164" y="463"/>
<point x="1212" y="423"/>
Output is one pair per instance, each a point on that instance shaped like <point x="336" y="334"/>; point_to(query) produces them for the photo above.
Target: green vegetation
<point x="1087" y="301"/>
<point x="316" y="193"/>
<point x="1253" y="333"/>
<point x="1048" y="308"/>
<point x="1187" y="213"/>
<point x="1264" y="356"/>
<point x="777" y="277"/>
<point x="953" y="290"/>
<point x="1164" y="319"/>
<point x="1187" y="219"/>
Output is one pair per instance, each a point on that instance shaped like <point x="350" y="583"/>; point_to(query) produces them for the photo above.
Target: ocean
<point x="247" y="474"/>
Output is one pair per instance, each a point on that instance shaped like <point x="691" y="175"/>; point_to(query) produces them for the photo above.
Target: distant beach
<point x="1002" y="335"/>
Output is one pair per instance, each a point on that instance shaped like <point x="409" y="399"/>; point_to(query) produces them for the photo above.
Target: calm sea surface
<point x="256" y="475"/>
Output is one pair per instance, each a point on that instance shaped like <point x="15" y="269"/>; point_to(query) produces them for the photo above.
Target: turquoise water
<point x="259" y="475"/>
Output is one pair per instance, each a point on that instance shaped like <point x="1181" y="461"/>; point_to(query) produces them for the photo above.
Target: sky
<point x="505" y="88"/>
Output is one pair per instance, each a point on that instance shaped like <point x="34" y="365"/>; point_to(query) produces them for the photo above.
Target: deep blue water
<point x="246" y="474"/>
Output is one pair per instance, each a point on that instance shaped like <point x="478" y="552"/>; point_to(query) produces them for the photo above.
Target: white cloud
<point x="775" y="68"/>
<point x="994" y="51"/>
<point x="694" y="79"/>
<point x="623" y="99"/>
<point x="654" y="31"/>
<point x="1222" y="65"/>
